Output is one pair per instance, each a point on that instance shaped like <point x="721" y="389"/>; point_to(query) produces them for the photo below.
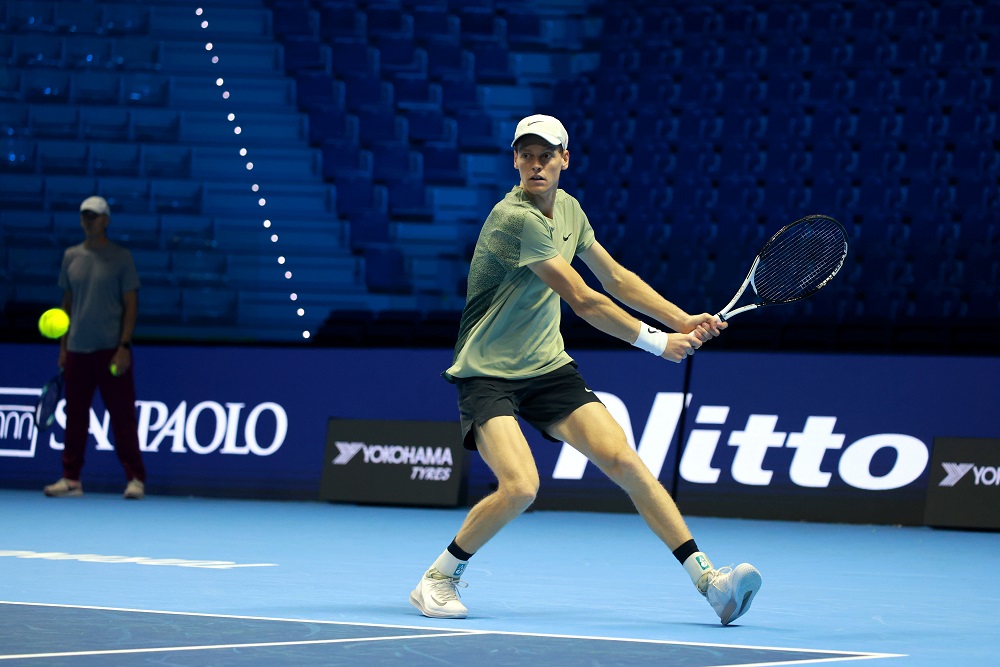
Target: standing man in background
<point x="510" y="362"/>
<point x="100" y="294"/>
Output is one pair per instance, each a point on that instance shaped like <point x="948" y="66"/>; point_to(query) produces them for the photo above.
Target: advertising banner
<point x="826" y="437"/>
<point x="767" y="435"/>
<point x="964" y="489"/>
<point x="227" y="421"/>
<point x="394" y="462"/>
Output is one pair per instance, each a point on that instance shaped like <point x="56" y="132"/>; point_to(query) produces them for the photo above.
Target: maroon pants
<point x="85" y="372"/>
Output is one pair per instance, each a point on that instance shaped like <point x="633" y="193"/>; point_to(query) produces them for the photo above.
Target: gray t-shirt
<point x="97" y="280"/>
<point x="510" y="325"/>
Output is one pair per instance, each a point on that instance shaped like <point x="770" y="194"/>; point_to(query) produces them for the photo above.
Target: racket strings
<point x="800" y="259"/>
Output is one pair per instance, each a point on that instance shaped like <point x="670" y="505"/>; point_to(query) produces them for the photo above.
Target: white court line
<point x="843" y="656"/>
<point x="212" y="647"/>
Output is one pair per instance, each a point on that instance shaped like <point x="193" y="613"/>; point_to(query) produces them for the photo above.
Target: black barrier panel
<point x="394" y="462"/>
<point x="964" y="486"/>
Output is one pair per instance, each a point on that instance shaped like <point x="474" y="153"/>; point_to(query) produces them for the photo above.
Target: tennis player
<point x="510" y="361"/>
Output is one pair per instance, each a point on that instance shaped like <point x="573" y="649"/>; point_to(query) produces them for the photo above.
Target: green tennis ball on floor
<point x="53" y="323"/>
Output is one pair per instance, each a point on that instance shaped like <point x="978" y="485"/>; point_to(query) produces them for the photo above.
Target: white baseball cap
<point x="96" y="204"/>
<point x="546" y="127"/>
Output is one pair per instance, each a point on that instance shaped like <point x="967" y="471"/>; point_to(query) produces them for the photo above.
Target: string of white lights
<point x="244" y="153"/>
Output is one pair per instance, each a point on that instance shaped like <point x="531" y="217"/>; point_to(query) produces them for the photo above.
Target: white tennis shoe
<point x="730" y="590"/>
<point x="64" y="488"/>
<point x="436" y="596"/>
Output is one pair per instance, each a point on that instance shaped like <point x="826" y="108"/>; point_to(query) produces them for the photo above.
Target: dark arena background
<point x="302" y="183"/>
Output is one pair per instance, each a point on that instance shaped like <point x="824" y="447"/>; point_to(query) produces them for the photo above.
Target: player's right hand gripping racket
<point x="796" y="262"/>
<point x="45" y="410"/>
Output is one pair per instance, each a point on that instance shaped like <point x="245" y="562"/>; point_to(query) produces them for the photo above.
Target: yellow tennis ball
<point x="53" y="323"/>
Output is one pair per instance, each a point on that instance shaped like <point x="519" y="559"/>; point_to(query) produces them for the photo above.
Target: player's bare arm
<point x="630" y="289"/>
<point x="601" y="312"/>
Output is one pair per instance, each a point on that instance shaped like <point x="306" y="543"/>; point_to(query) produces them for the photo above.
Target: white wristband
<point x="650" y="339"/>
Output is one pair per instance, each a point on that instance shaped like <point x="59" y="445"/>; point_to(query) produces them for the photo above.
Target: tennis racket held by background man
<point x="45" y="409"/>
<point x="798" y="261"/>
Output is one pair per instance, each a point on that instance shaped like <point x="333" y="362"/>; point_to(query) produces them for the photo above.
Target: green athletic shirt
<point x="510" y="324"/>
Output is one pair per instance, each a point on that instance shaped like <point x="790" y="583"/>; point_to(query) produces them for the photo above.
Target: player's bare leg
<point x="593" y="431"/>
<point x="505" y="450"/>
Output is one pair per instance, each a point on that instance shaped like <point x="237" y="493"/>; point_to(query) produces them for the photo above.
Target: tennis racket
<point x="45" y="410"/>
<point x="798" y="261"/>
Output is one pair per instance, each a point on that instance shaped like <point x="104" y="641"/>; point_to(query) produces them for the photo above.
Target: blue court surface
<point x="182" y="581"/>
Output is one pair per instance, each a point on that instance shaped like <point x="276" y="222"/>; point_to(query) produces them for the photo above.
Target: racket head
<point x="799" y="260"/>
<point x="45" y="409"/>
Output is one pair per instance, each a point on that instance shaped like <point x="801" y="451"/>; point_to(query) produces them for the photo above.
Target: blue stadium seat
<point x="315" y="88"/>
<point x="306" y="53"/>
<point x="869" y="49"/>
<point x="126" y="19"/>
<point x="340" y="20"/>
<point x="291" y="18"/>
<point x="399" y="54"/>
<point x="97" y="87"/>
<point x="64" y="193"/>
<point x="329" y="122"/>
<point x="137" y="53"/>
<point x="408" y="200"/>
<point x="83" y="51"/>
<point x="444" y="164"/>
<point x="369" y="228"/>
<point x="156" y="125"/>
<point x="377" y="124"/>
<point x="387" y="20"/>
<point x="363" y="196"/>
<point x="38" y="50"/>
<point x="428" y="124"/>
<point x="447" y="58"/>
<point x="416" y="91"/>
<point x="22" y="191"/>
<point x="476" y="131"/>
<point x="364" y="91"/>
<point x="177" y="196"/>
<point x="115" y="159"/>
<point x="19" y="154"/>
<point x="385" y="273"/>
<point x="45" y="85"/>
<point x="492" y="63"/>
<point x="34" y="17"/>
<point x="152" y="90"/>
<point x="54" y="121"/>
<point x="130" y="195"/>
<point x="353" y="57"/>
<point x="345" y="157"/>
<point x="199" y="267"/>
<point x="431" y="22"/>
<point x="209" y="305"/>
<point x="393" y="161"/>
<point x="105" y="123"/>
<point x="165" y="161"/>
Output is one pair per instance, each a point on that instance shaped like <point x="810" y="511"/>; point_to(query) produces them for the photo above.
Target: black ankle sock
<point x="682" y="552"/>
<point x="457" y="552"/>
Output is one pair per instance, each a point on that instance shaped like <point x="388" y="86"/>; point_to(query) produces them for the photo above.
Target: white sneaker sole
<point x="415" y="601"/>
<point x="743" y="595"/>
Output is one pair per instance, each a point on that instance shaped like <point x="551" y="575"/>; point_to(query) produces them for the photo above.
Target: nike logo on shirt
<point x="566" y="238"/>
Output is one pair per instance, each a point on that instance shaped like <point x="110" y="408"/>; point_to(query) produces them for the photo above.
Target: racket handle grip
<point x="721" y="317"/>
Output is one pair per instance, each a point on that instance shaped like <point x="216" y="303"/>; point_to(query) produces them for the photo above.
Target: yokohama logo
<point x="983" y="475"/>
<point x="393" y="454"/>
<point x="954" y="472"/>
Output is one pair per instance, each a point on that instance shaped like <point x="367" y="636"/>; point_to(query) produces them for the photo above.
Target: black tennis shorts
<point x="541" y="401"/>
